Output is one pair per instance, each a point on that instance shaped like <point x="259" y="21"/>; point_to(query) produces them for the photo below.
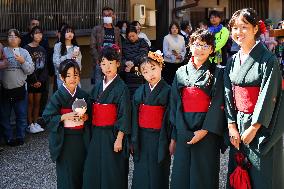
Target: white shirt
<point x="69" y="91"/>
<point x="105" y="85"/>
<point x="183" y="33"/>
<point x="243" y="56"/>
<point x="152" y="88"/>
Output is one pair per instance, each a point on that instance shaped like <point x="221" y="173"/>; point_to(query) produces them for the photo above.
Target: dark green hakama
<point x="104" y="168"/>
<point x="68" y="148"/>
<point x="196" y="166"/>
<point x="151" y="146"/>
<point x="265" y="152"/>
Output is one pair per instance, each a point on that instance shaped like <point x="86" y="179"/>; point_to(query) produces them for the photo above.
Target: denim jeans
<point x="20" y="107"/>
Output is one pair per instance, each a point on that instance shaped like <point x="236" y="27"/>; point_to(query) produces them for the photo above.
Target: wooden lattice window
<point x="82" y="14"/>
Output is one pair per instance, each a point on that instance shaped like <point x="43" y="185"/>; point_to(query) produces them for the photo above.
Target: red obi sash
<point x="151" y="117"/>
<point x="68" y="110"/>
<point x="246" y="98"/>
<point x="195" y="99"/>
<point x="104" y="114"/>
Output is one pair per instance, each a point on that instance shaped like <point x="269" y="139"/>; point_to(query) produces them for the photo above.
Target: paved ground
<point x="29" y="166"/>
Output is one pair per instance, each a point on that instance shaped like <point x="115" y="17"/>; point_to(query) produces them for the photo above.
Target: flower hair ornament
<point x="156" y="56"/>
<point x="116" y="48"/>
<point x="262" y="27"/>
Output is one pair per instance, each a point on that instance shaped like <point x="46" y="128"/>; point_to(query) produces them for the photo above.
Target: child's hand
<point x="70" y="116"/>
<point x="198" y="135"/>
<point x="117" y="147"/>
<point x="84" y="117"/>
<point x="172" y="147"/>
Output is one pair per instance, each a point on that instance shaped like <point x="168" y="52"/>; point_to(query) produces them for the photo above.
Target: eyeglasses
<point x="202" y="47"/>
<point x="12" y="37"/>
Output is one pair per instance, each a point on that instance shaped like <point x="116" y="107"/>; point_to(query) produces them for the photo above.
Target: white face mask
<point x="107" y="20"/>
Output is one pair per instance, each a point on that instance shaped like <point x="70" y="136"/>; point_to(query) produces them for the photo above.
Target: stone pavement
<point x="29" y="166"/>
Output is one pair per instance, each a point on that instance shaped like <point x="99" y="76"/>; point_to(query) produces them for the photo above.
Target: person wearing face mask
<point x="122" y="25"/>
<point x="103" y="35"/>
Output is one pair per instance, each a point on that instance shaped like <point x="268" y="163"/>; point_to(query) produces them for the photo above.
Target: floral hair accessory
<point x="116" y="48"/>
<point x="156" y="56"/>
<point x="262" y="27"/>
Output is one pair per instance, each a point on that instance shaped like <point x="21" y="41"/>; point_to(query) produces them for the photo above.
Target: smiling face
<point x="243" y="33"/>
<point x="109" y="68"/>
<point x="200" y="50"/>
<point x="151" y="71"/>
<point x="72" y="78"/>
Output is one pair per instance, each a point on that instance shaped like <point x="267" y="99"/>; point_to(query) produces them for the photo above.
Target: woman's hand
<point x="172" y="147"/>
<point x="129" y="65"/>
<point x="234" y="134"/>
<point x="37" y="85"/>
<point x="250" y="133"/>
<point x="198" y="135"/>
<point x="70" y="116"/>
<point x="19" y="58"/>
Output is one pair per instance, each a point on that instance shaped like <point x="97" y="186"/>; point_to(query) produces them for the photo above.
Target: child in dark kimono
<point x="106" y="165"/>
<point x="253" y="104"/>
<point x="197" y="117"/>
<point x="150" y="127"/>
<point x="69" y="135"/>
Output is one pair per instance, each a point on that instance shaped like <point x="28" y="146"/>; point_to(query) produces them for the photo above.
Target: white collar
<point x="105" y="85"/>
<point x="152" y="88"/>
<point x="183" y="33"/>
<point x="69" y="91"/>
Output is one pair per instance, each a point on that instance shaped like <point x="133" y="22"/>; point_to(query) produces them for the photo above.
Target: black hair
<point x="215" y="13"/>
<point x="135" y="23"/>
<point x="65" y="65"/>
<point x="61" y="27"/>
<point x="203" y="35"/>
<point x="107" y="8"/>
<point x="110" y="53"/>
<point x="130" y="29"/>
<point x="145" y="59"/>
<point x="15" y="31"/>
<point x="120" y="23"/>
<point x="62" y="39"/>
<point x="172" y="24"/>
<point x="184" y="24"/>
<point x="33" y="18"/>
<point x="248" y="15"/>
<point x="35" y="30"/>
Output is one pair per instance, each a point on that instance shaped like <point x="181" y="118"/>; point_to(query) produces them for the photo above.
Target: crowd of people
<point x="210" y="88"/>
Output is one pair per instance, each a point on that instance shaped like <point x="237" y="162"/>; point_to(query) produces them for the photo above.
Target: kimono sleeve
<point x="51" y="114"/>
<point x="230" y="110"/>
<point x="215" y="118"/>
<point x="124" y="112"/>
<point x="174" y="101"/>
<point x="270" y="92"/>
<point x="135" y="128"/>
<point x="52" y="118"/>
